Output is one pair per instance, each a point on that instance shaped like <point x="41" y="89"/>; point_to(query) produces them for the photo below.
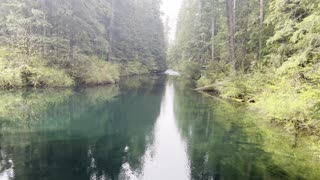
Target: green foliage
<point x="284" y="84"/>
<point x="287" y="104"/>
<point x="10" y="78"/>
<point x="66" y="33"/>
<point x="93" y="71"/>
<point x="39" y="72"/>
<point x="133" y="68"/>
<point x="202" y="33"/>
<point x="212" y="119"/>
<point x="18" y="70"/>
<point x="279" y="96"/>
<point x="214" y="72"/>
<point x="190" y="70"/>
<point x="187" y="46"/>
<point x="204" y="81"/>
<point x="48" y="77"/>
<point x="137" y="34"/>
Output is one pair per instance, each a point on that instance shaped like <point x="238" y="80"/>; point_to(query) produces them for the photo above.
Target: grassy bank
<point x="18" y="70"/>
<point x="287" y="95"/>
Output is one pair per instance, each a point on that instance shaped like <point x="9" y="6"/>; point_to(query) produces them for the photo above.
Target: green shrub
<point x="133" y="68"/>
<point x="215" y="71"/>
<point x="204" y="81"/>
<point x="10" y="78"/>
<point x="18" y="70"/>
<point x="190" y="70"/>
<point x="93" y="71"/>
<point x="284" y="95"/>
<point x="49" y="77"/>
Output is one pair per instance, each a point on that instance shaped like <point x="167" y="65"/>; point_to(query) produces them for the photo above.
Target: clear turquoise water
<point x="146" y="128"/>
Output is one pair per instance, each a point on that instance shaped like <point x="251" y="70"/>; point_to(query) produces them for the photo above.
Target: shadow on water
<point x="144" y="128"/>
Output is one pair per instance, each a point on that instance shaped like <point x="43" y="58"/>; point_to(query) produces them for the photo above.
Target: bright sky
<point x="171" y="9"/>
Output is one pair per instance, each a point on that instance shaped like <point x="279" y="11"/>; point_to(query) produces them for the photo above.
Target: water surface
<point x="146" y="128"/>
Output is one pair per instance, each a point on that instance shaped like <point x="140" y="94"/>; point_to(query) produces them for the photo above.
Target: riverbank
<point x="290" y="102"/>
<point x="18" y="70"/>
<point x="286" y="96"/>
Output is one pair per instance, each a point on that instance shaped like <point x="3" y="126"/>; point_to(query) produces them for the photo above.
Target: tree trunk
<point x="245" y="37"/>
<point x="234" y="13"/>
<point x="44" y="49"/>
<point x="202" y="60"/>
<point x="28" y="40"/>
<point x="72" y="42"/>
<point x="109" y="58"/>
<point x="213" y="32"/>
<point x="212" y="39"/>
<point x="44" y="29"/>
<point x="230" y="32"/>
<point x="261" y="18"/>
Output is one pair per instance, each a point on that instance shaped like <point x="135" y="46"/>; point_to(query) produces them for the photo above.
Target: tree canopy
<point x="73" y="34"/>
<point x="266" y="52"/>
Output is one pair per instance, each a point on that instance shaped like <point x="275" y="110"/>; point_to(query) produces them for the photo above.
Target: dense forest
<point x="264" y="52"/>
<point x="100" y="89"/>
<point x="57" y="43"/>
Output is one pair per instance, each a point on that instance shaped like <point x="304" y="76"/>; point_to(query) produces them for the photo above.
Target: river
<point x="145" y="128"/>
